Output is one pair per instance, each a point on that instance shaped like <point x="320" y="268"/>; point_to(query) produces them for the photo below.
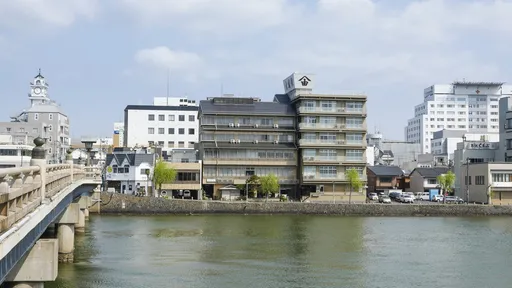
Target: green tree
<point x="354" y="180"/>
<point x="446" y="182"/>
<point x="163" y="173"/>
<point x="253" y="184"/>
<point x="269" y="184"/>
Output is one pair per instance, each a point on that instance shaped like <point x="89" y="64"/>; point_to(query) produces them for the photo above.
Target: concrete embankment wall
<point x="124" y="204"/>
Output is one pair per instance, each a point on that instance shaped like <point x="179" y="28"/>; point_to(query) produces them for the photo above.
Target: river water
<point x="290" y="251"/>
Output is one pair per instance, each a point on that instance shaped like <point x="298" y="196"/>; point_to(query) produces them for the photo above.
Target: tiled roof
<point x="133" y="159"/>
<point x="282" y="98"/>
<point x="431" y="172"/>
<point x="386" y="170"/>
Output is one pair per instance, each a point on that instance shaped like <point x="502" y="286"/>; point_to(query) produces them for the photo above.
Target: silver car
<point x="406" y="198"/>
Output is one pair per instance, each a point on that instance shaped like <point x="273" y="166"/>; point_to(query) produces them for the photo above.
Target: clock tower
<point x="38" y="91"/>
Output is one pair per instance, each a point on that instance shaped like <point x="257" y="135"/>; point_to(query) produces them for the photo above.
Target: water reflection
<point x="290" y="251"/>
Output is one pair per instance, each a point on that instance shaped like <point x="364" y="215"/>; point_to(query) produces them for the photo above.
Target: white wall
<point x="138" y="125"/>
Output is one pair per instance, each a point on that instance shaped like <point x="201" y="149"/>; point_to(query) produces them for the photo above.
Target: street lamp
<point x="466" y="180"/>
<point x="88" y="143"/>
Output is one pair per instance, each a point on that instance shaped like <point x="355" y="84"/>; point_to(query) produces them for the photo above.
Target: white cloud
<point x="49" y="12"/>
<point x="377" y="46"/>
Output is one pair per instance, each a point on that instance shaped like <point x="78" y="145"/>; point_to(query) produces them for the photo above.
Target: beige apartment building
<point x="331" y="138"/>
<point x="489" y="182"/>
<point x="308" y="140"/>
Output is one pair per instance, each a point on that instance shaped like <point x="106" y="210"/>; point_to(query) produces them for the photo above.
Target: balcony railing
<point x="331" y="159"/>
<point x="335" y="110"/>
<point x="330" y="142"/>
<point x="328" y="177"/>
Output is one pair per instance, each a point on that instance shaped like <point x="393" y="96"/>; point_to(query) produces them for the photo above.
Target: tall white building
<point x="468" y="106"/>
<point x="164" y="126"/>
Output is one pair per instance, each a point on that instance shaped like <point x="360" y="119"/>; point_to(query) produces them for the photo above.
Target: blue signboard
<point x="433" y="192"/>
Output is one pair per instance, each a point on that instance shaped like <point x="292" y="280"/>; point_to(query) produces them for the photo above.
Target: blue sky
<point x="100" y="56"/>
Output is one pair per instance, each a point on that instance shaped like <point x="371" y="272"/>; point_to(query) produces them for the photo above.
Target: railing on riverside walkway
<point x="20" y="188"/>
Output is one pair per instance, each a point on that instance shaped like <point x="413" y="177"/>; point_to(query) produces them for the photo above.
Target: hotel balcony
<point x="250" y="162"/>
<point x="330" y="143"/>
<point x="322" y="178"/>
<point x="236" y="180"/>
<point x="182" y="185"/>
<point x="339" y="160"/>
<point x="331" y="127"/>
<point x="331" y="111"/>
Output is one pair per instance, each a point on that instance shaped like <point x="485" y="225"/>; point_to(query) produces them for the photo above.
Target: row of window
<point x="181" y="118"/>
<point x="328" y="171"/>
<point x="248" y="154"/>
<point x="171" y="131"/>
<point x="281" y="137"/>
<point x="332" y="106"/>
<point x="280" y="172"/>
<point x="226" y="120"/>
<point x="172" y="144"/>
<point x="36" y="116"/>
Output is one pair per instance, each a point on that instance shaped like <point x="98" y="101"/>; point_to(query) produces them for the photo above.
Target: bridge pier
<point x="66" y="232"/>
<point x="39" y="266"/>
<point x="24" y="285"/>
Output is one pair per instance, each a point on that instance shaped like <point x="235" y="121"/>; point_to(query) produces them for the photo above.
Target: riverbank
<point x="125" y="204"/>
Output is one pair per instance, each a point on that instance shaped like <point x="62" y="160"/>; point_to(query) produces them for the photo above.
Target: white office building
<point x="466" y="106"/>
<point x="166" y="127"/>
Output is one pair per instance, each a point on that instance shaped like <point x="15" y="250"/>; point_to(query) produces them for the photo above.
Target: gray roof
<point x="431" y="172"/>
<point x="282" y="98"/>
<point x="48" y="108"/>
<point x="386" y="170"/>
<point x="134" y="159"/>
<point x="156" y="107"/>
<point x="256" y="108"/>
<point x="259" y="146"/>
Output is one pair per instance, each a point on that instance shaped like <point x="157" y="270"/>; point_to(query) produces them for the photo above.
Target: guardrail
<point x="21" y="190"/>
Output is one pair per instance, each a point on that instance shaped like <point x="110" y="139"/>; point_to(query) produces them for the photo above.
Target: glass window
<point x="151" y="117"/>
<point x="191" y="118"/>
<point x="161" y="130"/>
<point x="151" y="130"/>
<point x="181" y="118"/>
<point x="161" y="117"/>
<point x="171" y="117"/>
<point x="181" y="131"/>
<point x="170" y="131"/>
<point x="191" y="131"/>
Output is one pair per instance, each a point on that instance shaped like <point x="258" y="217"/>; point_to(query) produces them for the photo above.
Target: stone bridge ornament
<point x="39" y="152"/>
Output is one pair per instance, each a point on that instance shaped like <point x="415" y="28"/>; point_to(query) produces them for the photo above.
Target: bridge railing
<point x="21" y="190"/>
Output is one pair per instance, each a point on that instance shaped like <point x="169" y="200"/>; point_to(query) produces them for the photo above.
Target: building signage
<point x="304" y="80"/>
<point x="480" y="145"/>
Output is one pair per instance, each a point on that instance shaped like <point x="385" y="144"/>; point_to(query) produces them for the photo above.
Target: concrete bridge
<point x="36" y="199"/>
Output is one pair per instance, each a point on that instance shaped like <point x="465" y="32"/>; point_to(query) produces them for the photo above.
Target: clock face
<point x="37" y="90"/>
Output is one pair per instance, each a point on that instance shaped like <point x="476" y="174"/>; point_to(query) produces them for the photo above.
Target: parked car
<point x="373" y="196"/>
<point x="423" y="196"/>
<point x="454" y="199"/>
<point x="394" y="195"/>
<point x="406" y="198"/>
<point x="384" y="199"/>
<point x="437" y="198"/>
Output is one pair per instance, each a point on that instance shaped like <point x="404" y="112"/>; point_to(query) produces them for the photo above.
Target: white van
<point x="423" y="196"/>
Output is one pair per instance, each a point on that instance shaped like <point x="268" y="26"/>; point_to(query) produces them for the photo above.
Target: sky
<point x="101" y="55"/>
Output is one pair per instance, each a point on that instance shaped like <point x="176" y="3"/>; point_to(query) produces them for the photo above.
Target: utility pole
<point x="468" y="179"/>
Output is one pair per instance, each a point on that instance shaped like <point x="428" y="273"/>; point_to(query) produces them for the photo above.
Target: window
<point x="151" y="117"/>
<point x="181" y="144"/>
<point x="191" y="118"/>
<point x="171" y="131"/>
<point x="50" y="150"/>
<point x="161" y="117"/>
<point x="36" y="116"/>
<point x="354" y="155"/>
<point x="50" y="116"/>
<point x="191" y="131"/>
<point x="114" y="169"/>
<point x="161" y="143"/>
<point x="466" y="180"/>
<point x="181" y="118"/>
<point x="170" y="144"/>
<point x="161" y="130"/>
<point x="328" y="172"/>
<point x="151" y="130"/>
<point x="385" y="179"/>
<point x="187" y="176"/>
<point x="126" y="168"/>
<point x="171" y="117"/>
<point x="50" y="127"/>
<point x="191" y="144"/>
<point x="479" y="180"/>
<point x="181" y="131"/>
<point x="50" y="139"/>
<point x="151" y="143"/>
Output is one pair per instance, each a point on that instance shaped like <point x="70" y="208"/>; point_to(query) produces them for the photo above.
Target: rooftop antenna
<point x="168" y="79"/>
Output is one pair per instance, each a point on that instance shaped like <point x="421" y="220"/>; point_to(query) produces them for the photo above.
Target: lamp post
<point x="466" y="180"/>
<point x="88" y="143"/>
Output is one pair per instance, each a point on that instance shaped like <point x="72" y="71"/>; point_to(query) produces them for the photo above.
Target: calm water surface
<point x="290" y="251"/>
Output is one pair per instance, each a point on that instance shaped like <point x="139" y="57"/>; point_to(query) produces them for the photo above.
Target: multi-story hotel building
<point x="308" y="140"/>
<point x="331" y="137"/>
<point x="464" y="106"/>
<point x="241" y="137"/>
